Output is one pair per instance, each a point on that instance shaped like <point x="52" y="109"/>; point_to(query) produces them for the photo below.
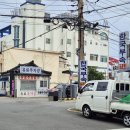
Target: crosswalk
<point x="120" y="129"/>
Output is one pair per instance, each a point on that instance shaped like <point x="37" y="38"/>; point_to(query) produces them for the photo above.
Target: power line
<point x="90" y="11"/>
<point x="43" y="3"/>
<point x="112" y="17"/>
<point x="103" y="17"/>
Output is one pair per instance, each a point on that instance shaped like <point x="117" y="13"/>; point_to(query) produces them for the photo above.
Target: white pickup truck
<point x="108" y="97"/>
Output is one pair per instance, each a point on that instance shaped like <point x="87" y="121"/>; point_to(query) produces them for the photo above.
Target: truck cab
<point x="97" y="95"/>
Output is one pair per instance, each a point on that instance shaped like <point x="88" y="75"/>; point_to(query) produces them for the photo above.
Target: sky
<point x="54" y="7"/>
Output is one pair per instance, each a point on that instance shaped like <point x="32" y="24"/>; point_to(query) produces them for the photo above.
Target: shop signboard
<point x="83" y="72"/>
<point x="123" y="41"/>
<point x="30" y="70"/>
<point x="26" y="77"/>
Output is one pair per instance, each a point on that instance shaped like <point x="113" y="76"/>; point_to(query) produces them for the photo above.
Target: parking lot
<point x="41" y="114"/>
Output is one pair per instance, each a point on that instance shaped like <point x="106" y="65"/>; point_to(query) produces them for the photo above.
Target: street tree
<point x="93" y="74"/>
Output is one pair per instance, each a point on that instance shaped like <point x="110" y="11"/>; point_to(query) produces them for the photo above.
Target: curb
<point x="73" y="110"/>
<point x="68" y="99"/>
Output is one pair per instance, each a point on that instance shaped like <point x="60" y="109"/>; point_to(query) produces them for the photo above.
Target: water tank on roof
<point x="34" y="1"/>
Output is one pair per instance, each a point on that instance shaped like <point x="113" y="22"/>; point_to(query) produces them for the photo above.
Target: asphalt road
<point x="41" y="114"/>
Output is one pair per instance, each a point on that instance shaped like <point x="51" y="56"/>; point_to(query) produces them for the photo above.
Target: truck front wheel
<point x="126" y="120"/>
<point x="87" y="113"/>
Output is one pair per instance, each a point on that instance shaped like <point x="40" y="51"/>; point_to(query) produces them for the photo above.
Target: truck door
<point x="100" y="97"/>
<point x="86" y="96"/>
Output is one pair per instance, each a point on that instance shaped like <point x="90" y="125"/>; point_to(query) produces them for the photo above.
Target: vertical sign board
<point x="123" y="39"/>
<point x="83" y="72"/>
<point x="13" y="87"/>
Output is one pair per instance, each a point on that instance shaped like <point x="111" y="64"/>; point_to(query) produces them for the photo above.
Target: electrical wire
<point x="90" y="11"/>
<point x="112" y="17"/>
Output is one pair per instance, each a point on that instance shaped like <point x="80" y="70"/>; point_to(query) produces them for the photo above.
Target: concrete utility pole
<point x="80" y="36"/>
<point x="81" y="30"/>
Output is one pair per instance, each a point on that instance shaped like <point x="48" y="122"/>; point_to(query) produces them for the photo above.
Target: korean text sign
<point x="123" y="39"/>
<point x="83" y="71"/>
<point x="30" y="70"/>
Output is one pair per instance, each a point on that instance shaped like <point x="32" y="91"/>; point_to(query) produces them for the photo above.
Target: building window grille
<point x="103" y="59"/>
<point x="16" y="36"/>
<point x="68" y="41"/>
<point x="48" y="41"/>
<point x="93" y="57"/>
<point x="43" y="83"/>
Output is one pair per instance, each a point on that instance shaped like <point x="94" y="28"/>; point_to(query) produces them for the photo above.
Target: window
<point x="117" y="86"/>
<point x="16" y="36"/>
<point x="16" y="32"/>
<point x="89" y="87"/>
<point x="102" y="86"/>
<point x="93" y="57"/>
<point x="43" y="83"/>
<point x="48" y="27"/>
<point x="103" y="36"/>
<point x="48" y="41"/>
<point x="85" y="42"/>
<point x="62" y="29"/>
<point x="68" y="54"/>
<point x="127" y="87"/>
<point x="104" y="44"/>
<point x="88" y="30"/>
<point x="61" y="41"/>
<point x="103" y="59"/>
<point x="96" y="43"/>
<point x="16" y="43"/>
<point x="91" y="42"/>
<point x="28" y="85"/>
<point x="122" y="86"/>
<point x="68" y="41"/>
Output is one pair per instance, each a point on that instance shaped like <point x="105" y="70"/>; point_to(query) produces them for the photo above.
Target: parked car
<point x="59" y="91"/>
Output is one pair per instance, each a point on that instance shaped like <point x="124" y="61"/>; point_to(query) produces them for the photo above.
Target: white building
<point x="62" y="40"/>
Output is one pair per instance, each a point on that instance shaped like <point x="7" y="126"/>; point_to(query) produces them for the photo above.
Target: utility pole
<point x="81" y="30"/>
<point x="80" y="37"/>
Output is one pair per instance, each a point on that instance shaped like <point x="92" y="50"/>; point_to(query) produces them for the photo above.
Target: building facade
<point x="23" y="29"/>
<point x="49" y="61"/>
<point x="26" y="80"/>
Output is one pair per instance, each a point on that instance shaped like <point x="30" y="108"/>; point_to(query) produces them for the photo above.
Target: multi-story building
<point x="22" y="29"/>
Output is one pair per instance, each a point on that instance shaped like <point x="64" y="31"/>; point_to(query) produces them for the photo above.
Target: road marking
<point x="120" y="129"/>
<point x="73" y="110"/>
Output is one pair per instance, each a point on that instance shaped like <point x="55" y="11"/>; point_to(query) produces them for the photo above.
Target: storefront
<point x="27" y="80"/>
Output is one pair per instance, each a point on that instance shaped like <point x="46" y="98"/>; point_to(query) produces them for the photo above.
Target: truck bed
<point x="120" y="106"/>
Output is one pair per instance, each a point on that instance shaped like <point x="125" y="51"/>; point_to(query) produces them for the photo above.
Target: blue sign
<point x="83" y="71"/>
<point x="123" y="41"/>
<point x="30" y="70"/>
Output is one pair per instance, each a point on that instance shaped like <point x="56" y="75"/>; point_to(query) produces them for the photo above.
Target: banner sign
<point x="83" y="72"/>
<point x="30" y="70"/>
<point x="123" y="39"/>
